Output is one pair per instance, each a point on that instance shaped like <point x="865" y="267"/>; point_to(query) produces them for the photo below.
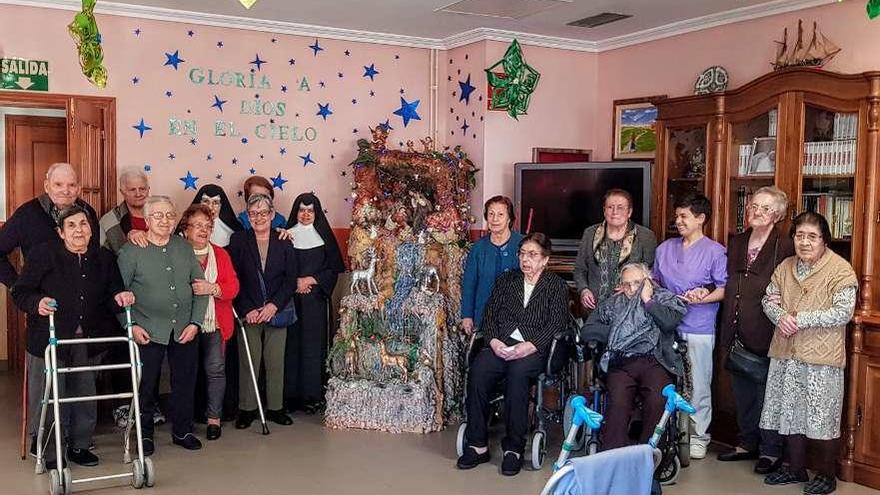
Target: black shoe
<point x="821" y="485"/>
<point x="471" y="459"/>
<point x="214" y="432"/>
<point x="785" y="477"/>
<point x="149" y="447"/>
<point x="511" y="464"/>
<point x="765" y="465"/>
<point x="82" y="457"/>
<point x="245" y="418"/>
<point x="738" y="456"/>
<point x="189" y="441"/>
<point x="279" y="417"/>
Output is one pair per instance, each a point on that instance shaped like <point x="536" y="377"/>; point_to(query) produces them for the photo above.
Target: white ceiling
<point x="418" y="22"/>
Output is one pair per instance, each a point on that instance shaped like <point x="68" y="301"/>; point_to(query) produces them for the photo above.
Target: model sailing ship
<point x="818" y="52"/>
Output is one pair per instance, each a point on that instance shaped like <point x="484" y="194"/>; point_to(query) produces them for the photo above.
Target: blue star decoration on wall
<point x="189" y="182"/>
<point x="278" y="181"/>
<point x="370" y="71"/>
<point x="174" y="59"/>
<point x="316" y="47"/>
<point x="147" y="167"/>
<point x="407" y="111"/>
<point x="324" y="110"/>
<point x="466" y="90"/>
<point x="142" y="127"/>
<point x="307" y="159"/>
<point x="218" y="103"/>
<point x="259" y="63"/>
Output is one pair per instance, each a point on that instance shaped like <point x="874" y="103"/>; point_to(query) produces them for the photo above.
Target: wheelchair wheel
<point x="579" y="439"/>
<point x="137" y="474"/>
<point x="55" y="486"/>
<point x="684" y="440"/>
<point x="68" y="481"/>
<point x="667" y="472"/>
<point x="149" y="473"/>
<point x="459" y="439"/>
<point x="538" y="450"/>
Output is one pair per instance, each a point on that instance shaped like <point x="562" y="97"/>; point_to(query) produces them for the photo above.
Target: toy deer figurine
<point x="351" y="356"/>
<point x="395" y="360"/>
<point x="365" y="275"/>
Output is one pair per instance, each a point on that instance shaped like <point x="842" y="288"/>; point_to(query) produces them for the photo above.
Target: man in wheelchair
<point x="637" y="325"/>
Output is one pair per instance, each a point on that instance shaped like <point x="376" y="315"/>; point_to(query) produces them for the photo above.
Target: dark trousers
<point x="230" y="399"/>
<point x="183" y="359"/>
<point x="796" y="454"/>
<point x="486" y="371"/>
<point x="749" y="398"/>
<point x="642" y="376"/>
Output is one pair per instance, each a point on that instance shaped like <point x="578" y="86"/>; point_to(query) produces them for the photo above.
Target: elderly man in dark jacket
<point x="638" y="323"/>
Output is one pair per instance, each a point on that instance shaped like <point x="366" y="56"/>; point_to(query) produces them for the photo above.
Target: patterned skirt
<point x="803" y="399"/>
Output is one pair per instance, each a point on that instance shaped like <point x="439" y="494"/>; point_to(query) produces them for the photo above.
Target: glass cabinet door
<point x="686" y="172"/>
<point x="828" y="171"/>
<point x="752" y="164"/>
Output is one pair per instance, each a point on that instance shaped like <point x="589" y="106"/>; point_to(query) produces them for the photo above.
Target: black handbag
<point x="286" y="316"/>
<point x="746" y="363"/>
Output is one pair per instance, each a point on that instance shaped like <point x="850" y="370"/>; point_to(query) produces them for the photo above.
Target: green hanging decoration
<point x="873" y="8"/>
<point x="512" y="89"/>
<point x="84" y="30"/>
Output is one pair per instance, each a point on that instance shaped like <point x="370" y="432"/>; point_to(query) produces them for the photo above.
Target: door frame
<point x="68" y="103"/>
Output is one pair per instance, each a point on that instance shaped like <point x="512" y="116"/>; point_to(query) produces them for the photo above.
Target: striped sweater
<point x="546" y="313"/>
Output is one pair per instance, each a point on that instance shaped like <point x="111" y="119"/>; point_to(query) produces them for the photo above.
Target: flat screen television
<point x="562" y="199"/>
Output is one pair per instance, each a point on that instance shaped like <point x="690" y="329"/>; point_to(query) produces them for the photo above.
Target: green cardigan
<point x="160" y="277"/>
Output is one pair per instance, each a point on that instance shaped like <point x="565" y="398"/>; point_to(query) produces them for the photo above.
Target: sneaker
<point x="821" y="485"/>
<point x="511" y="464"/>
<point x="82" y="457"/>
<point x="766" y="465"/>
<point x="785" y="477"/>
<point x="188" y="441"/>
<point x="471" y="459"/>
<point x="245" y="418"/>
<point x="279" y="417"/>
<point x="698" y="450"/>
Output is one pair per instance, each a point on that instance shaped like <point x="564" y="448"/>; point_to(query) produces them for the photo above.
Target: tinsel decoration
<point x="84" y="30"/>
<point x="873" y="8"/>
<point x="511" y="90"/>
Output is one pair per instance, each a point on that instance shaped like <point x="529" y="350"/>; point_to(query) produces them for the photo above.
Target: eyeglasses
<point x="167" y="216"/>
<point x="202" y="226"/>
<point x="259" y="214"/>
<point x="530" y="254"/>
<point x="616" y="208"/>
<point x="211" y="202"/>
<point x="765" y="209"/>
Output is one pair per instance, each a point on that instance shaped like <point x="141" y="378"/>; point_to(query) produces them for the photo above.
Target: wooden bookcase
<point x="816" y="135"/>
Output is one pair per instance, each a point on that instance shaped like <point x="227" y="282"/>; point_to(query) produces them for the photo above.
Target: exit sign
<point x="19" y="73"/>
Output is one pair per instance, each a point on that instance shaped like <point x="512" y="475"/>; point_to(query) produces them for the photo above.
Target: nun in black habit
<point x="320" y="263"/>
<point x="225" y="221"/>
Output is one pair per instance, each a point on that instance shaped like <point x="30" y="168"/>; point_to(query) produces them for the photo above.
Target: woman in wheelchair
<point x="526" y="309"/>
<point x="638" y="324"/>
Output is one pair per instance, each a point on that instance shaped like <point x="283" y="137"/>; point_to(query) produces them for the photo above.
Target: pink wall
<point x="670" y="66"/>
<point x="128" y="55"/>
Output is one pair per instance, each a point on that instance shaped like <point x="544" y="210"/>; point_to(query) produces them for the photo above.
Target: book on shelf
<point x="836" y="208"/>
<point x="830" y="157"/>
<point x="743" y="198"/>
<point x="745" y="154"/>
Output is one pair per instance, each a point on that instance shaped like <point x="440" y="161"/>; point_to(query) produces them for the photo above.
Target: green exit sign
<point x="19" y="73"/>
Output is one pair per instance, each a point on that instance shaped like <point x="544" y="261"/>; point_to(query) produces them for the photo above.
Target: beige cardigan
<point x="822" y="346"/>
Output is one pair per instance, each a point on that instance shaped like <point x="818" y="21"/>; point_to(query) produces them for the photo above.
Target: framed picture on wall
<point x="635" y="131"/>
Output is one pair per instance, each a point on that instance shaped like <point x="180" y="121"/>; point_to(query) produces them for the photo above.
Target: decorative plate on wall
<point x="712" y="80"/>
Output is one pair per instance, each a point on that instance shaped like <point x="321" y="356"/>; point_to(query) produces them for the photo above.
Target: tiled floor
<point x="308" y="459"/>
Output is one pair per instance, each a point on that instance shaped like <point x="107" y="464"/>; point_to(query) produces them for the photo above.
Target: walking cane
<point x="247" y="350"/>
<point x="24" y="411"/>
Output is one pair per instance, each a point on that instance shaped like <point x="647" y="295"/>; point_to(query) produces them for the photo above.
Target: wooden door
<point x="87" y="149"/>
<point x="32" y="145"/>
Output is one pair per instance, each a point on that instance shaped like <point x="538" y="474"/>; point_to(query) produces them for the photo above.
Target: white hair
<point x="155" y="200"/>
<point x="58" y="166"/>
<point x="780" y="198"/>
<point x="636" y="266"/>
<point x="132" y="172"/>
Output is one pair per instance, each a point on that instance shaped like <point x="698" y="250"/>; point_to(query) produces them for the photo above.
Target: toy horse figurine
<point x="365" y="275"/>
<point x="395" y="360"/>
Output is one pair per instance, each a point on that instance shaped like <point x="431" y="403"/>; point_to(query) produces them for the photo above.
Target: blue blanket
<point x="623" y="471"/>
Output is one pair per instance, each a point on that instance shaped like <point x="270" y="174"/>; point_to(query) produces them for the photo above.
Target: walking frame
<point x="247" y="350"/>
<point x="61" y="480"/>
